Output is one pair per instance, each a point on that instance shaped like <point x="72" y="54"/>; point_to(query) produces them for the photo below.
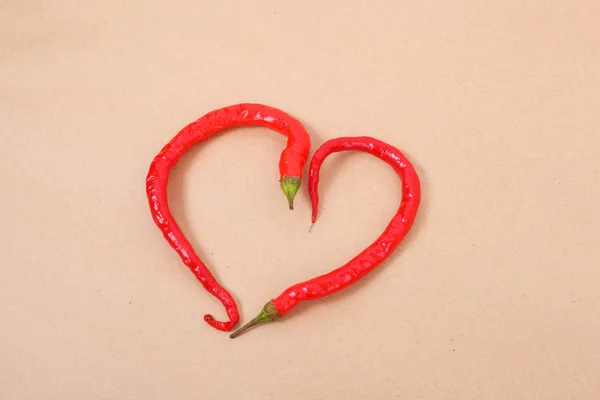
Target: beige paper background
<point x="494" y="294"/>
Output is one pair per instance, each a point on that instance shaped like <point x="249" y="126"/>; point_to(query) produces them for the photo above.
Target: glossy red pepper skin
<point x="372" y="256"/>
<point x="379" y="250"/>
<point x="292" y="160"/>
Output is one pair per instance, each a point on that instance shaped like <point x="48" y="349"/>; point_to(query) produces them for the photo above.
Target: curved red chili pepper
<point x="369" y="258"/>
<point x="292" y="160"/>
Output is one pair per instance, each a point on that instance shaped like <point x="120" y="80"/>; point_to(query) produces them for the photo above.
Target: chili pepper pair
<point x="292" y="160"/>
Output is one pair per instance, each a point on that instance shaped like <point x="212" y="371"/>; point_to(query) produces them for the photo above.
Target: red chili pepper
<point x="369" y="258"/>
<point x="292" y="160"/>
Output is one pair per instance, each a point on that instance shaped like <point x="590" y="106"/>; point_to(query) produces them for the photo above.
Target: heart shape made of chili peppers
<point x="292" y="160"/>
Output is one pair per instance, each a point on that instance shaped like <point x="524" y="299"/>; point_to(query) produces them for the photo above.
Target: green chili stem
<point x="290" y="186"/>
<point x="267" y="314"/>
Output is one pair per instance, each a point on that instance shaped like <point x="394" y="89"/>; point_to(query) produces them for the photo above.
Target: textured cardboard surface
<point x="493" y="295"/>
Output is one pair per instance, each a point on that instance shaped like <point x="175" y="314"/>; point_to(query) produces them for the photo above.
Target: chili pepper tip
<point x="267" y="314"/>
<point x="290" y="186"/>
